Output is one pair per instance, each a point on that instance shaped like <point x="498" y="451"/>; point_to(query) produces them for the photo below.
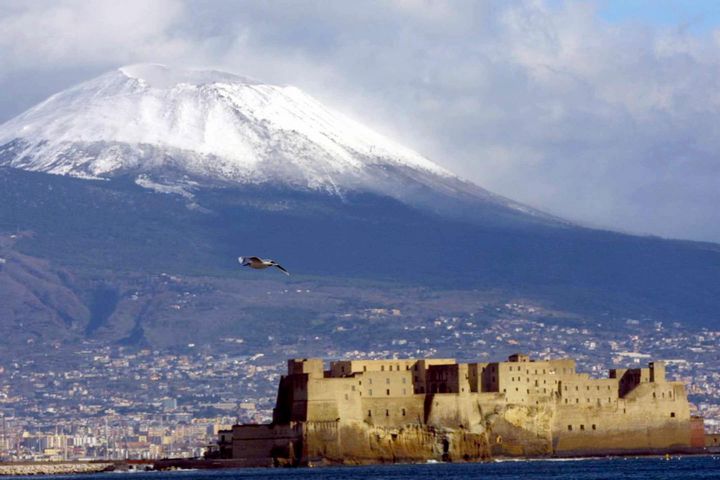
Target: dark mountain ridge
<point x="104" y="232"/>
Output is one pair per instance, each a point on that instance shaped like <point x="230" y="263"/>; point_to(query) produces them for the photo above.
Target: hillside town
<point x="121" y="402"/>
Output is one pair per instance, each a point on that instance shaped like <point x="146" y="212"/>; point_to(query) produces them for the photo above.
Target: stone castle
<point x="370" y="411"/>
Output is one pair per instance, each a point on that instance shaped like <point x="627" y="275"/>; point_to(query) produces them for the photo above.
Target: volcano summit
<point x="202" y="123"/>
<point x="175" y="128"/>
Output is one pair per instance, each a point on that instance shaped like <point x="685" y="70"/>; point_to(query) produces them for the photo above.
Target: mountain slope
<point x="162" y="172"/>
<point x="109" y="233"/>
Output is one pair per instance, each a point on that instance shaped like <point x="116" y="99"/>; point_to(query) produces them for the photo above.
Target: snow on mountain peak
<point x="151" y="118"/>
<point x="157" y="75"/>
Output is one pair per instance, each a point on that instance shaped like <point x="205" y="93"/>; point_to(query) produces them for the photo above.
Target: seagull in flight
<point x="260" y="263"/>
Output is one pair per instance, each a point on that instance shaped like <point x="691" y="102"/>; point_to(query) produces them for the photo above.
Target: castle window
<point x="364" y="368"/>
<point x="512" y="379"/>
<point x="404" y="392"/>
<point x="370" y="392"/>
<point x="504" y="390"/>
<point x="569" y="428"/>
<point x="654" y="395"/>
<point x="672" y="414"/>
<point x="594" y="427"/>
<point x="598" y="388"/>
<point x="577" y="400"/>
<point x="566" y="400"/>
<point x="582" y="427"/>
<point x="369" y="413"/>
<point x="588" y="388"/>
<point x="382" y="368"/>
<point x="346" y="396"/>
<point x="543" y="371"/>
<point x="352" y="388"/>
<point x="388" y="392"/>
<point x="404" y="380"/>
<point x="407" y="367"/>
<point x="403" y="412"/>
<point x="387" y="413"/>
<point x="576" y="388"/>
<point x="370" y="381"/>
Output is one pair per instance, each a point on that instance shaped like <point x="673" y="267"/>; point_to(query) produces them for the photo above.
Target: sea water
<point x="676" y="468"/>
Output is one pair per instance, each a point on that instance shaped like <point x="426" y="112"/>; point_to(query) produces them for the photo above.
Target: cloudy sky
<point x="604" y="112"/>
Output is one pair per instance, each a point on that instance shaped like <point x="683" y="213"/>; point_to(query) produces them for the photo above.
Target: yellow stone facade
<point x="366" y="411"/>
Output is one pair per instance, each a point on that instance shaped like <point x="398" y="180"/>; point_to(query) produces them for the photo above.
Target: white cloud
<point x="45" y="34"/>
<point x="610" y="123"/>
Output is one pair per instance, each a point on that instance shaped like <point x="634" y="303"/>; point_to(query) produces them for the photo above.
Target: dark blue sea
<point x="677" y="468"/>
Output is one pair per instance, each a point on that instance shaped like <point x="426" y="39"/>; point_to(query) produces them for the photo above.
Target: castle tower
<point x="657" y="371"/>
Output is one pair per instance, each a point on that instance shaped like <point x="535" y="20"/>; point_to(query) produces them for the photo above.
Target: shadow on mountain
<point x="116" y="226"/>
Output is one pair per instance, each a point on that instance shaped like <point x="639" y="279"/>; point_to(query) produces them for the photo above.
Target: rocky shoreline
<point x="54" y="468"/>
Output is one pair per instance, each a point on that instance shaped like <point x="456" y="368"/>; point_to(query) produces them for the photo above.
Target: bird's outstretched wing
<point x="281" y="268"/>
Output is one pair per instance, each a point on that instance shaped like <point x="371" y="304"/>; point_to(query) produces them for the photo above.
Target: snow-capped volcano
<point x="208" y="124"/>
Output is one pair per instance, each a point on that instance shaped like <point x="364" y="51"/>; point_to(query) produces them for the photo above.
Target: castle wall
<point x="653" y="417"/>
<point x="358" y="443"/>
<point x="520" y="430"/>
<point x="712" y="442"/>
<point x="453" y="410"/>
<point x="259" y="444"/>
<point x="394" y="412"/>
<point x="373" y="410"/>
<point x="583" y="392"/>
